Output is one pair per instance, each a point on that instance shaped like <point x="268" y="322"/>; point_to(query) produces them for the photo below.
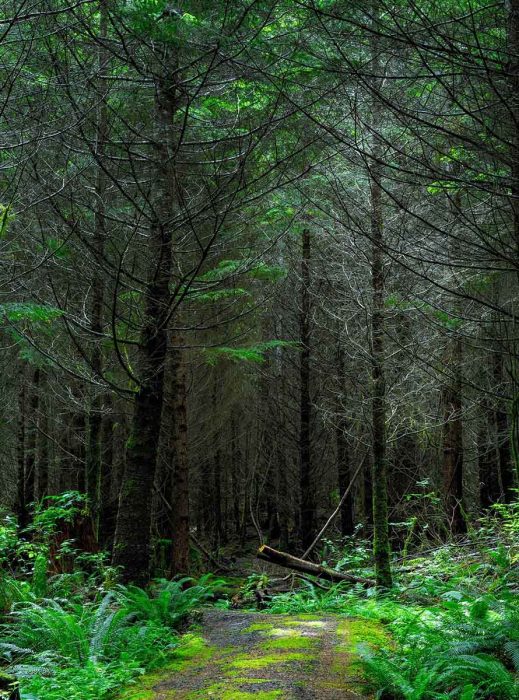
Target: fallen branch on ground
<point x="273" y="556"/>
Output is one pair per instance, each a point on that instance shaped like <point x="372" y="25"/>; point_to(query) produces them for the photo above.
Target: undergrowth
<point x="69" y="630"/>
<point x="61" y="649"/>
<point x="78" y="634"/>
<point x="453" y="616"/>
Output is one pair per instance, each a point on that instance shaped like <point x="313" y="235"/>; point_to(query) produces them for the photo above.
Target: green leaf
<point x="254" y="353"/>
<point x="219" y="294"/>
<point x="36" y="313"/>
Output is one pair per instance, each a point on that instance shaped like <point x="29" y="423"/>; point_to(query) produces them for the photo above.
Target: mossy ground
<point x="266" y="657"/>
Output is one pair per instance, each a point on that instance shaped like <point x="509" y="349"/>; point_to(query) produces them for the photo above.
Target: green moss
<point x="192" y="651"/>
<point x="355" y="632"/>
<point x="339" y="685"/>
<point x="249" y="662"/>
<point x="223" y="692"/>
<point x="138" y="695"/>
<point x="345" y="665"/>
<point x="352" y="632"/>
<point x="284" y="632"/>
<point x="241" y="680"/>
<point x="259" y="627"/>
<point x="289" y="642"/>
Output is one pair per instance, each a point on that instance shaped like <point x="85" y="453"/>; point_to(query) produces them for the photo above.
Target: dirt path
<point x="238" y="656"/>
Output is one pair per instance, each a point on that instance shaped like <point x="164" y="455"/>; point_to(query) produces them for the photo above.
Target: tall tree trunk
<point x="132" y="547"/>
<point x="236" y="472"/>
<point x="344" y="477"/>
<point x="78" y="448"/>
<point x="381" y="546"/>
<point x="108" y="505"/>
<point x="307" y="508"/>
<point x="513" y="102"/>
<point x="163" y="488"/>
<point x="367" y="492"/>
<point x="381" y="549"/>
<point x="506" y="467"/>
<point x="490" y="490"/>
<point x="94" y="418"/>
<point x="180" y="455"/>
<point x="284" y="501"/>
<point x="43" y="453"/>
<point x="343" y="457"/>
<point x="21" y="504"/>
<point x="32" y="438"/>
<point x="216" y="505"/>
<point x="452" y="469"/>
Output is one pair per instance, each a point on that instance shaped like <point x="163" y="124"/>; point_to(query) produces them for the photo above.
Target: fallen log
<point x="273" y="556"/>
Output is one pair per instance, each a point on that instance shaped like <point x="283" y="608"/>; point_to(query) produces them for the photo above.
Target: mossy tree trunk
<point x="307" y="507"/>
<point x="43" y="459"/>
<point x="513" y="104"/>
<point x="132" y="546"/>
<point x="452" y="467"/>
<point x="180" y="516"/>
<point x="381" y="545"/>
<point x="21" y="503"/>
<point x="95" y="416"/>
<point x="381" y="548"/>
<point x="108" y="503"/>
<point x="343" y="456"/>
<point x="31" y="450"/>
<point x="506" y="468"/>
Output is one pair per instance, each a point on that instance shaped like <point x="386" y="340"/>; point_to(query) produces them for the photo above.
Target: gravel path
<point x="239" y="655"/>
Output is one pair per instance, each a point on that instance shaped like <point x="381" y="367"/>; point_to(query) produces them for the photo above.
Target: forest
<point x="259" y="385"/>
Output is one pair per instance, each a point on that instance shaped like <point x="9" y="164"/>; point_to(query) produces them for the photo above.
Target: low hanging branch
<point x="273" y="556"/>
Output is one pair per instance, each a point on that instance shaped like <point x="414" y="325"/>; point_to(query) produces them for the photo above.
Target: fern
<point x="488" y="675"/>
<point x="461" y="648"/>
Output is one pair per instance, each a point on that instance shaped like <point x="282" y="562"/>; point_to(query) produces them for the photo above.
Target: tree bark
<point x="488" y="459"/>
<point x="273" y="556"/>
<point x="381" y="545"/>
<point x="43" y="453"/>
<point x="452" y="469"/>
<point x="180" y="497"/>
<point x="513" y="102"/>
<point x="506" y="468"/>
<point x="21" y="504"/>
<point x="236" y="471"/>
<point x="32" y="439"/>
<point x="108" y="504"/>
<point x="307" y="508"/>
<point x="132" y="548"/>
<point x="343" y="459"/>
<point x="95" y="418"/>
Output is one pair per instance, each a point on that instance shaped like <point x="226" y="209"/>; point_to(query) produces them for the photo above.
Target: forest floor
<point x="240" y="655"/>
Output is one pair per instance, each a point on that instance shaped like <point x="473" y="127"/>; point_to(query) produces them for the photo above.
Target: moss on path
<point x="239" y="656"/>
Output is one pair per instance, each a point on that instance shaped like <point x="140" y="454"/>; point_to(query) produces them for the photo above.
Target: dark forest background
<point x="251" y="252"/>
